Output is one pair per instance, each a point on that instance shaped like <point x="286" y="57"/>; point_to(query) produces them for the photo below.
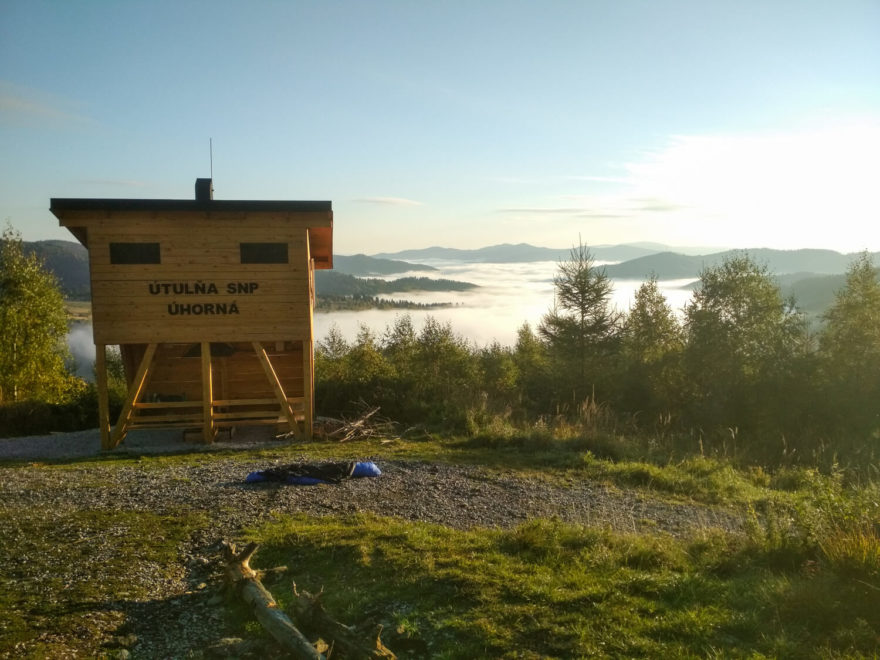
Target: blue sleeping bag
<point x="310" y="474"/>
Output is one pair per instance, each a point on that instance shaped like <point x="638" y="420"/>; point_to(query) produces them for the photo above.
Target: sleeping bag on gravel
<point x="309" y="474"/>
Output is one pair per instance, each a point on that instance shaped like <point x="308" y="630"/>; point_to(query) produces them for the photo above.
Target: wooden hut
<point x="211" y="303"/>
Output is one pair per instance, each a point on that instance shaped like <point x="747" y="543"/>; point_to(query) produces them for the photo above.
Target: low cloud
<point x="22" y="106"/>
<point x="554" y="180"/>
<point x="518" y="180"/>
<point x="598" y="179"/>
<point x="604" y="207"/>
<point x="602" y="215"/>
<point x="541" y="211"/>
<point x="389" y="201"/>
<point x="116" y="183"/>
<point x="655" y="205"/>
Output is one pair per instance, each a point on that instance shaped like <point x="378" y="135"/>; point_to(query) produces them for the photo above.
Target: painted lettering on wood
<point x="201" y="288"/>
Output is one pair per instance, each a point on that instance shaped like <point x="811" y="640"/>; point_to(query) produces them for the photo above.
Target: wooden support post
<point x="103" y="395"/>
<point x="286" y="410"/>
<point x="134" y="393"/>
<point x="208" y="431"/>
<point x="308" y="387"/>
<point x="308" y="350"/>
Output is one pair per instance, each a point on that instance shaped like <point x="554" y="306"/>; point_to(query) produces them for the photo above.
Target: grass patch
<point x="67" y="576"/>
<point x="803" y="581"/>
<point x="547" y="589"/>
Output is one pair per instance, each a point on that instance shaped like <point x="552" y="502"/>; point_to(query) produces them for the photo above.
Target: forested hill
<point x="362" y="265"/>
<point x="671" y="265"/>
<point x="69" y="261"/>
<point x="331" y="283"/>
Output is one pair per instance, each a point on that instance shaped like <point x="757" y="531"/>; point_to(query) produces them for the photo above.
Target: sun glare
<point x="803" y="189"/>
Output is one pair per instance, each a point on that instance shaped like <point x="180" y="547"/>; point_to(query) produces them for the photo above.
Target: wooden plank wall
<point x="236" y="371"/>
<point x="200" y="291"/>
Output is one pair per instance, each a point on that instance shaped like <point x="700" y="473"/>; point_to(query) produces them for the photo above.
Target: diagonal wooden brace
<point x="134" y="393"/>
<point x="286" y="409"/>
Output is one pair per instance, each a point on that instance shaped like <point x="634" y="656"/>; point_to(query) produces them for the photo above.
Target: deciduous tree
<point x="743" y="339"/>
<point x="33" y="327"/>
<point x="850" y="347"/>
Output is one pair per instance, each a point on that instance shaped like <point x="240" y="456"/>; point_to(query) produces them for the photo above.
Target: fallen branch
<point x="308" y="610"/>
<point x="246" y="583"/>
<point x="417" y="433"/>
<point x="310" y="613"/>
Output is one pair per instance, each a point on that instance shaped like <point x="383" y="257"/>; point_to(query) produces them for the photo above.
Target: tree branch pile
<point x="366" y="425"/>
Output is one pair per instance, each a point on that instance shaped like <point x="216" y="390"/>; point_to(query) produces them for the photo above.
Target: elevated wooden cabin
<point x="211" y="303"/>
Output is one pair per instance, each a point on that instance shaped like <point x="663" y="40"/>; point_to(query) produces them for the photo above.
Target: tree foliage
<point x="430" y="376"/>
<point x="581" y="330"/>
<point x="850" y="347"/>
<point x="33" y="327"/>
<point x="652" y="341"/>
<point x="741" y="336"/>
<point x="735" y="372"/>
<point x="738" y="321"/>
<point x="651" y="330"/>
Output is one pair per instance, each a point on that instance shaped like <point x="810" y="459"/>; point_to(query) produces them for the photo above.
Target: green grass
<point x="803" y="580"/>
<point x="66" y="578"/>
<point x="547" y="589"/>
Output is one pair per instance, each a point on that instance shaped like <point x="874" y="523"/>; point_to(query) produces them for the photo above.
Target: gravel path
<point x="179" y="616"/>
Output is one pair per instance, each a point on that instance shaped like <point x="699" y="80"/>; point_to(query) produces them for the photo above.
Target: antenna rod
<point x="211" y="151"/>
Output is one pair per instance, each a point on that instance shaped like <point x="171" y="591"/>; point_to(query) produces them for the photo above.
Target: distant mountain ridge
<point x="516" y="253"/>
<point x="812" y="276"/>
<point x="671" y="265"/>
<point x="361" y="264"/>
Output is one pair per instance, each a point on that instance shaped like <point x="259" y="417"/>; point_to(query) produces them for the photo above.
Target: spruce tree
<point x="582" y="328"/>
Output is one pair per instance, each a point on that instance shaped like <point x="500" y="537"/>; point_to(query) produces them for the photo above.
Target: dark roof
<point x="62" y="204"/>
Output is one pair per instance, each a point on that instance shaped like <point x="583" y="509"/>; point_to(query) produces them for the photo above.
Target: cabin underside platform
<point x="210" y="386"/>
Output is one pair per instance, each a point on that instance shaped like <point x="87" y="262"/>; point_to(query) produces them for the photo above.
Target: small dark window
<point x="264" y="253"/>
<point x="134" y="253"/>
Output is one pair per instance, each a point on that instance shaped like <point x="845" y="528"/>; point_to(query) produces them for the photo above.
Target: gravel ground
<point x="181" y="617"/>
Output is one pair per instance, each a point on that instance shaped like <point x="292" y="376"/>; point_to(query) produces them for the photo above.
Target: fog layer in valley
<point x="509" y="295"/>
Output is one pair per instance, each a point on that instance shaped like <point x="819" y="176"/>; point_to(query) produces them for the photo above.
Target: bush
<point x="23" y="418"/>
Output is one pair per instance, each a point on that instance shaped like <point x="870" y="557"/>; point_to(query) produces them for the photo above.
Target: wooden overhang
<point x="70" y="210"/>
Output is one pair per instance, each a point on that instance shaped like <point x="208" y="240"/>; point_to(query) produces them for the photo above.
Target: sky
<point x="462" y="123"/>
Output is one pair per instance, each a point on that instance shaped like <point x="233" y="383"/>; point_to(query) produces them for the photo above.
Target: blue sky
<point x="462" y="123"/>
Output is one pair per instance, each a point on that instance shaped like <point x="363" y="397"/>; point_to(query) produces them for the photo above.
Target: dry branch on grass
<point x="246" y="583"/>
<point x="311" y="614"/>
<point x="309" y="611"/>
